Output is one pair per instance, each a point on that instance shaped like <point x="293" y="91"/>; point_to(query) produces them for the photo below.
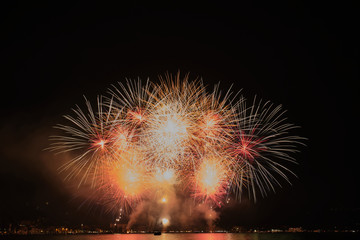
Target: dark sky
<point x="301" y="55"/>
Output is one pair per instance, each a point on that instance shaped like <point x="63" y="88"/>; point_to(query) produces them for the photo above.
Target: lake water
<point x="197" y="236"/>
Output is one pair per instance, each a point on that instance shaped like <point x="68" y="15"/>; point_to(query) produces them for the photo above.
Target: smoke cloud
<point x="179" y="211"/>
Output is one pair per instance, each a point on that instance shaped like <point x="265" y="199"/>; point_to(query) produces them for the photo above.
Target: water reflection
<point x="196" y="236"/>
<point x="164" y="236"/>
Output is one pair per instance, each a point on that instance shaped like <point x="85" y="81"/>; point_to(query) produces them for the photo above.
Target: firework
<point x="262" y="146"/>
<point x="144" y="141"/>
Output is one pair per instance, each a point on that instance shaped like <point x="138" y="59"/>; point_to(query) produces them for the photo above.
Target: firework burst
<point x="141" y="141"/>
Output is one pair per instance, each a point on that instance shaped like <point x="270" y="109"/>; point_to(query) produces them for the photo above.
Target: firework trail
<point x="143" y="141"/>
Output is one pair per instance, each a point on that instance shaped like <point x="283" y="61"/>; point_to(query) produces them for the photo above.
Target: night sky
<point x="301" y="55"/>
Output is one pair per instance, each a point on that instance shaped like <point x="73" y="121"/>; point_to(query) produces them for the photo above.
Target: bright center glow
<point x="163" y="200"/>
<point x="100" y="143"/>
<point x="131" y="176"/>
<point x="210" y="178"/>
<point x="168" y="174"/>
<point x="168" y="133"/>
<point x="137" y="116"/>
<point x="172" y="127"/>
<point x="165" y="221"/>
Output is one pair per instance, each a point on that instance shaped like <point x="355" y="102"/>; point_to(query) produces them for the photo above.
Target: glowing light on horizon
<point x="165" y="221"/>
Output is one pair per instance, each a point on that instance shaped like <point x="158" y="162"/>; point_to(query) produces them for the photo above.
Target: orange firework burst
<point x="212" y="179"/>
<point x="124" y="181"/>
<point x="144" y="140"/>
